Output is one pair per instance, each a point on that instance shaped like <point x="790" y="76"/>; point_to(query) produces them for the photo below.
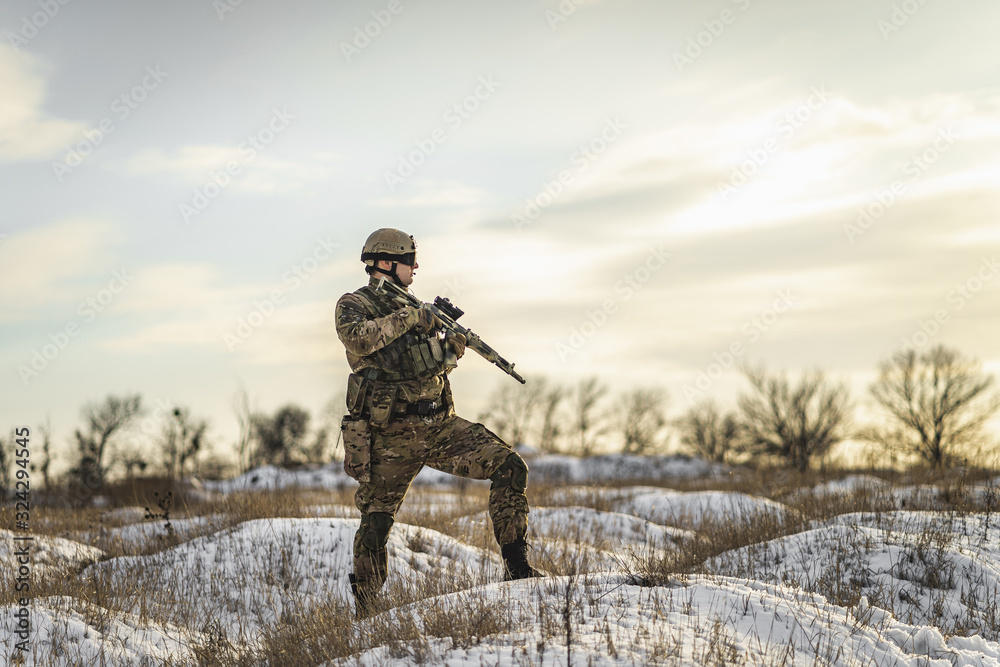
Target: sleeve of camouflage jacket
<point x="362" y="335"/>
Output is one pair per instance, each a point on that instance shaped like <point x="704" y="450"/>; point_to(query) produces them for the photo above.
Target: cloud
<point x="433" y="193"/>
<point x="47" y="266"/>
<point x="26" y="132"/>
<point x="250" y="171"/>
<point x="798" y="162"/>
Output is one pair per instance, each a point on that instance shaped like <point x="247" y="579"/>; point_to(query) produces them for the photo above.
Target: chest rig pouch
<point x="412" y="356"/>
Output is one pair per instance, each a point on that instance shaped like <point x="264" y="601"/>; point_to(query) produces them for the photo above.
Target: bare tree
<point x="102" y="422"/>
<point x="315" y="452"/>
<point x="511" y="408"/>
<point x="7" y="449"/>
<point x="46" y="431"/>
<point x="181" y="440"/>
<point x="281" y="438"/>
<point x="708" y="433"/>
<point x="639" y="416"/>
<point x="552" y="428"/>
<point x="795" y="424"/>
<point x="937" y="403"/>
<point x="586" y="423"/>
<point x="244" y="417"/>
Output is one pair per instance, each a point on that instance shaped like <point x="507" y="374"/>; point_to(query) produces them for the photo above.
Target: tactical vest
<point x="412" y="356"/>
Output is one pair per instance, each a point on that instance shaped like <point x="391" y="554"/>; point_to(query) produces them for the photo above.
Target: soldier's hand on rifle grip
<point x="457" y="342"/>
<point x="427" y="321"/>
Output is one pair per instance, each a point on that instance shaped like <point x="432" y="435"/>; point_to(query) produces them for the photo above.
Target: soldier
<point x="402" y="417"/>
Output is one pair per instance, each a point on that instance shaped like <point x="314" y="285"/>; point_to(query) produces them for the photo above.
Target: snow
<point x="50" y="556"/>
<point x="675" y="508"/>
<point x="330" y="476"/>
<point x="619" y="468"/>
<point x="72" y="632"/>
<point x="696" y="621"/>
<point x="258" y="568"/>
<point x="134" y="535"/>
<point x="549" y="468"/>
<point x="892" y="588"/>
<point x="925" y="567"/>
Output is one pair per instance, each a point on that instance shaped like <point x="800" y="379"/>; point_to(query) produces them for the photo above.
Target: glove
<point x="457" y="342"/>
<point x="427" y="321"/>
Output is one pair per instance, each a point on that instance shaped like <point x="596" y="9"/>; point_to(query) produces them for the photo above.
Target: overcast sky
<point x="627" y="189"/>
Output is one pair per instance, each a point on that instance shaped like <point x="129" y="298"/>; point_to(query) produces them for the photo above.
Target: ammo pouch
<point x="357" y="448"/>
<point x="383" y="403"/>
<point x="411" y="357"/>
<point x="358" y="388"/>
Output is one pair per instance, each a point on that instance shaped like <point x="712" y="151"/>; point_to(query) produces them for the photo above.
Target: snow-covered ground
<point x="901" y="587"/>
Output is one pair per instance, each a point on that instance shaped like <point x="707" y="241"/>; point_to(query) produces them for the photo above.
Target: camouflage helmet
<point x="391" y="245"/>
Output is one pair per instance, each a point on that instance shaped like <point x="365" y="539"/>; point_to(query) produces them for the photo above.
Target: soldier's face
<point x="405" y="272"/>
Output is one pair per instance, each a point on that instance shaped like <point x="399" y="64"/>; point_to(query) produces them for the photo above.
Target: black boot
<point x="363" y="605"/>
<point x="515" y="561"/>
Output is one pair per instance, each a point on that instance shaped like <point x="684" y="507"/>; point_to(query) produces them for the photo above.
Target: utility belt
<point x="378" y="402"/>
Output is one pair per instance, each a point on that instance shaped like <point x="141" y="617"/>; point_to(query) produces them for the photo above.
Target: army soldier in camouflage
<point x="401" y="416"/>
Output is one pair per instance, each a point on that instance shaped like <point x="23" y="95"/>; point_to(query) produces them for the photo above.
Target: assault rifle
<point x="448" y="313"/>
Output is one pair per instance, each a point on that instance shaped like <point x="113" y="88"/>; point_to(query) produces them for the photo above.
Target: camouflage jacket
<point x="365" y="332"/>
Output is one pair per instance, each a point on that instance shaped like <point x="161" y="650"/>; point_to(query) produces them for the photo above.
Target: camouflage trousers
<point x="447" y="443"/>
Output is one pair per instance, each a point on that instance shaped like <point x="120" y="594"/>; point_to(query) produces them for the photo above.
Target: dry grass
<point x="311" y="632"/>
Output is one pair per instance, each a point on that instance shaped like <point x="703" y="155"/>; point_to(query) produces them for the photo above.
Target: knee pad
<point x="513" y="472"/>
<point x="374" y="531"/>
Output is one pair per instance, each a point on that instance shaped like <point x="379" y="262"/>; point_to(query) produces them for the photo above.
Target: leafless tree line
<point x="110" y="443"/>
<point x="934" y="408"/>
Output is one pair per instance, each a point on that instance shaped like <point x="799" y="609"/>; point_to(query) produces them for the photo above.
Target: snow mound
<point x="136" y="535"/>
<point x="927" y="568"/>
<point x="672" y="508"/>
<point x="50" y="556"/>
<point x="604" y="530"/>
<point x="330" y="476"/>
<point x="696" y="622"/>
<point x="593" y="540"/>
<point x="620" y="468"/>
<point x="851" y="484"/>
<point x="68" y="632"/>
<point x="247" y="576"/>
